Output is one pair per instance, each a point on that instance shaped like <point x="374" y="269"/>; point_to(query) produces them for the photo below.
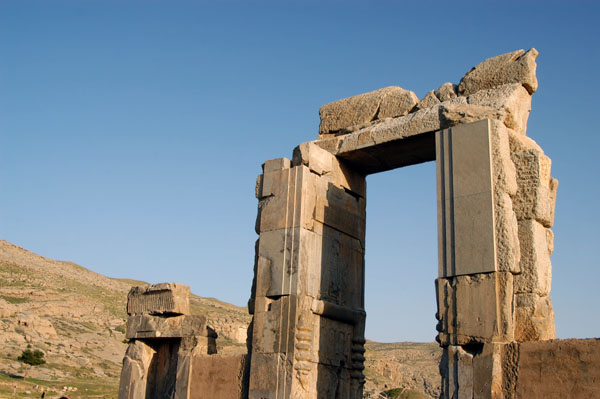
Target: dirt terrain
<point x="76" y="318"/>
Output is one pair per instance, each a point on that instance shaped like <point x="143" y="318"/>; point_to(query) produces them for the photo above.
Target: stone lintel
<point x="394" y="154"/>
<point x="374" y="148"/>
<point x="146" y="326"/>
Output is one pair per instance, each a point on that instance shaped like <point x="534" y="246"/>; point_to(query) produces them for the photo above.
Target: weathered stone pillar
<point x="307" y="300"/>
<point x="494" y="248"/>
<point x="478" y="256"/>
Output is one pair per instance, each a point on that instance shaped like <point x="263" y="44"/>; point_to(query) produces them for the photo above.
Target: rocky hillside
<point x="410" y="366"/>
<point x="76" y="318"/>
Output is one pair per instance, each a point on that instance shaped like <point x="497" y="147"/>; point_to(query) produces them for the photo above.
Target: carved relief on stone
<point x="304" y="363"/>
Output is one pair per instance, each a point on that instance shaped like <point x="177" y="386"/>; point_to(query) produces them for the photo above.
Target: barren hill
<point x="76" y="317"/>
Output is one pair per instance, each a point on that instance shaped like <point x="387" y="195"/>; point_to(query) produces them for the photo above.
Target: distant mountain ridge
<point x="77" y="317"/>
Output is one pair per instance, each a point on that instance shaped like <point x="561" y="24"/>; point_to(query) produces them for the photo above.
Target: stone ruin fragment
<point x="496" y="200"/>
<point x="170" y="350"/>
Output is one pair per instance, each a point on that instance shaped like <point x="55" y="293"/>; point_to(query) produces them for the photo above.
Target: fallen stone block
<point x="389" y="102"/>
<point x="516" y="67"/>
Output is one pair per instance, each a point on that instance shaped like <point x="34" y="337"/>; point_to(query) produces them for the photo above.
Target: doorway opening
<point x="401" y="254"/>
<point x="401" y="265"/>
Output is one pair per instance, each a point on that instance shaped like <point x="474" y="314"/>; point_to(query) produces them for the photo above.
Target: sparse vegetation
<point x="403" y="393"/>
<point x="121" y="328"/>
<point x="13" y="299"/>
<point x="34" y="358"/>
<point x="393" y="393"/>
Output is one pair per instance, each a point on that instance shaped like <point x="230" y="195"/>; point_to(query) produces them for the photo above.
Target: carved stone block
<point x="165" y="298"/>
<point x="536" y="194"/>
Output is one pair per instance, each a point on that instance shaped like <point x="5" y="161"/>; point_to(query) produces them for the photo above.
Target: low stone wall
<point x="558" y="368"/>
<point x="218" y="377"/>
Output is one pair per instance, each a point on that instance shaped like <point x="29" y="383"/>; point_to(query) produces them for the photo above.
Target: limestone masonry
<point x="496" y="200"/>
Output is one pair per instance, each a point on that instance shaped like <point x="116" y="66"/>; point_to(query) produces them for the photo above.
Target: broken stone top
<point x="159" y="299"/>
<point x="358" y="112"/>
<point x="389" y="102"/>
<point x="516" y="67"/>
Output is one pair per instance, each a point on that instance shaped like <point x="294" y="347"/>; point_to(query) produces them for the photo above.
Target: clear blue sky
<point x="131" y="133"/>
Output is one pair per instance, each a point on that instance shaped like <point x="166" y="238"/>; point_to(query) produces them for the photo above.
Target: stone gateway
<point x="495" y="208"/>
